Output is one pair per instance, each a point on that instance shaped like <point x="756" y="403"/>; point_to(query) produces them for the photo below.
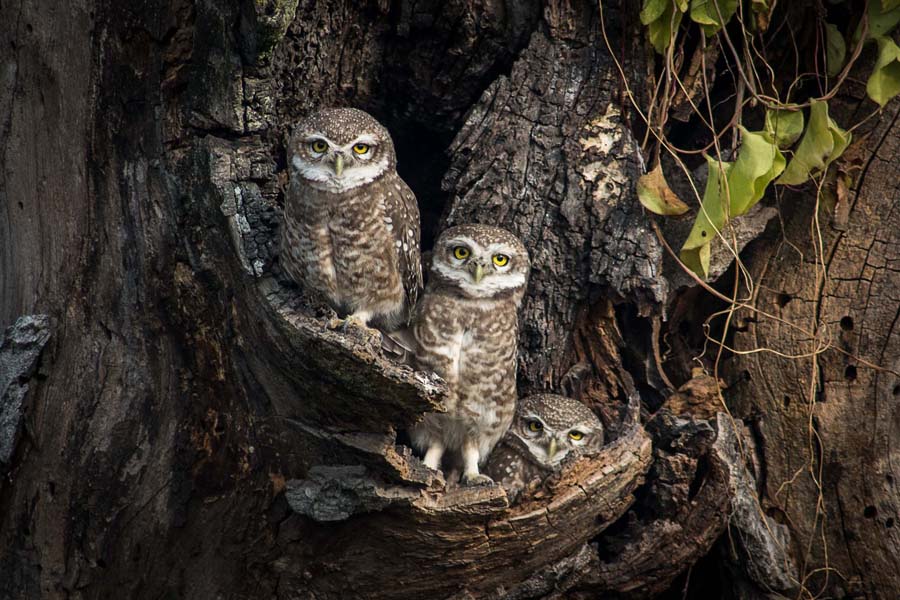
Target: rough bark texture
<point x="830" y="452"/>
<point x="194" y="428"/>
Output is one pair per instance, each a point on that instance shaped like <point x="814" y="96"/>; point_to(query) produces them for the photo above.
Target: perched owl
<point x="547" y="429"/>
<point x="465" y="330"/>
<point x="351" y="225"/>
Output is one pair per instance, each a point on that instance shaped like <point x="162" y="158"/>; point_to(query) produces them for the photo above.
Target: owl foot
<point x="477" y="479"/>
<point x="345" y="325"/>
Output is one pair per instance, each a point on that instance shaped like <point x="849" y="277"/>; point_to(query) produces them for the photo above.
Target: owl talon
<point x="477" y="479"/>
<point x="345" y="325"/>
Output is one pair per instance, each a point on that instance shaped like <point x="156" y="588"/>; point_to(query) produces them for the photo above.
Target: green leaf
<point x="881" y="20"/>
<point x="697" y="259"/>
<point x="655" y="194"/>
<point x="683" y="4"/>
<point x="661" y="29"/>
<point x="785" y="126"/>
<point x="821" y="144"/>
<point x="653" y="10"/>
<point x="710" y="219"/>
<point x="889" y="4"/>
<point x="835" y="50"/>
<point x="705" y="14"/>
<point x="884" y="82"/>
<point x="758" y="162"/>
<point x="731" y="190"/>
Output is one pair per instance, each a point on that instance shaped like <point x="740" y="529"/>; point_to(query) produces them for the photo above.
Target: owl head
<point x="480" y="261"/>
<point x="553" y="427"/>
<point x="338" y="149"/>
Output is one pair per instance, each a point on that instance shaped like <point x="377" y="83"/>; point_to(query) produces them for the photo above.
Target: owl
<point x="547" y="429"/>
<point x="465" y="330"/>
<point x="351" y="225"/>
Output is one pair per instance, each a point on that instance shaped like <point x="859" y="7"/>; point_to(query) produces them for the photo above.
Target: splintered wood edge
<point x="353" y="357"/>
<point x="600" y="485"/>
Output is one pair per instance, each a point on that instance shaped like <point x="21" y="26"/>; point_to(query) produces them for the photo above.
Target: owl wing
<point x="402" y="213"/>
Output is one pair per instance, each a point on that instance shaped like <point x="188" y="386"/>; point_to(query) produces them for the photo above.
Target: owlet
<point x="547" y="429"/>
<point x="465" y="330"/>
<point x="351" y="225"/>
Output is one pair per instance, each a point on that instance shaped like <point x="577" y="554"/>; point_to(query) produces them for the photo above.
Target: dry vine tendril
<point x="779" y="133"/>
<point x="802" y="130"/>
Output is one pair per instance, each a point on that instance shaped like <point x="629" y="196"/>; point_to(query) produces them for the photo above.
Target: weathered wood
<point x="466" y="540"/>
<point x="826" y="423"/>
<point x="189" y="399"/>
<point x="20" y="351"/>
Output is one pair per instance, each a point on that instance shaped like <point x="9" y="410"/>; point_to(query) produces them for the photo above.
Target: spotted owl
<point x="465" y="330"/>
<point x="547" y="429"/>
<point x="351" y="225"/>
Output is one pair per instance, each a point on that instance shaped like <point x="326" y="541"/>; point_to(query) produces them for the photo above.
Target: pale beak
<point x="477" y="272"/>
<point x="551" y="449"/>
<point x="339" y="165"/>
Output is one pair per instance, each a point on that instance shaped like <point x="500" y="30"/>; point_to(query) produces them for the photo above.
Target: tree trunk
<point x="177" y="422"/>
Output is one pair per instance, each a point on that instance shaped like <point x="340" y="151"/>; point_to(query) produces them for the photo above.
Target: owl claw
<point x="477" y="479"/>
<point x="345" y="325"/>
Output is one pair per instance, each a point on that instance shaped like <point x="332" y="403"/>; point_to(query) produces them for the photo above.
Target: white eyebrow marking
<point x="317" y="136"/>
<point x="365" y="138"/>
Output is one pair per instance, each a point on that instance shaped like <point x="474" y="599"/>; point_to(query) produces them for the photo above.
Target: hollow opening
<point x="784" y="299"/>
<point x="850" y="373"/>
<point x="870" y="512"/>
<point x="847" y="323"/>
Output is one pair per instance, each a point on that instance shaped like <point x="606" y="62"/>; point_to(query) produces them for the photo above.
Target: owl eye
<point x="501" y="260"/>
<point x="461" y="252"/>
<point x="318" y="146"/>
<point x="360" y="148"/>
<point x="535" y="426"/>
<point x="576" y="436"/>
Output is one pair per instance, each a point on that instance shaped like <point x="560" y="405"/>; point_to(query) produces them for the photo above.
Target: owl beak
<point x="551" y="449"/>
<point x="339" y="164"/>
<point x="477" y="271"/>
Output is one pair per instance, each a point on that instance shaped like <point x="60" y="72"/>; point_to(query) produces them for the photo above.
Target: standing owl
<point x="547" y="429"/>
<point x="466" y="329"/>
<point x="351" y="225"/>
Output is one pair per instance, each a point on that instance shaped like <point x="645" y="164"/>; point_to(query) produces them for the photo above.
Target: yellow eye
<point x="535" y="426"/>
<point x="501" y="260"/>
<point x="319" y="146"/>
<point x="576" y="435"/>
<point x="461" y="252"/>
<point x="360" y="148"/>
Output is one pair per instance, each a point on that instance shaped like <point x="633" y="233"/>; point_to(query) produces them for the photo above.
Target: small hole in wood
<point x="889" y="479"/>
<point x="897" y="390"/>
<point x="847" y="324"/>
<point x="784" y="299"/>
<point x="776" y="515"/>
<point x="850" y="373"/>
<point x="869" y="512"/>
<point x="745" y="375"/>
<point x="787" y="401"/>
<point x="21" y="206"/>
<point x="889" y="522"/>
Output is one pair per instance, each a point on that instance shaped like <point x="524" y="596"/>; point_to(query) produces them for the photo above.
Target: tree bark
<point x="178" y="422"/>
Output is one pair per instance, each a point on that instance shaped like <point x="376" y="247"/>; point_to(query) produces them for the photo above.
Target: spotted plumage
<point x="547" y="429"/>
<point x="465" y="330"/>
<point x="351" y="225"/>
